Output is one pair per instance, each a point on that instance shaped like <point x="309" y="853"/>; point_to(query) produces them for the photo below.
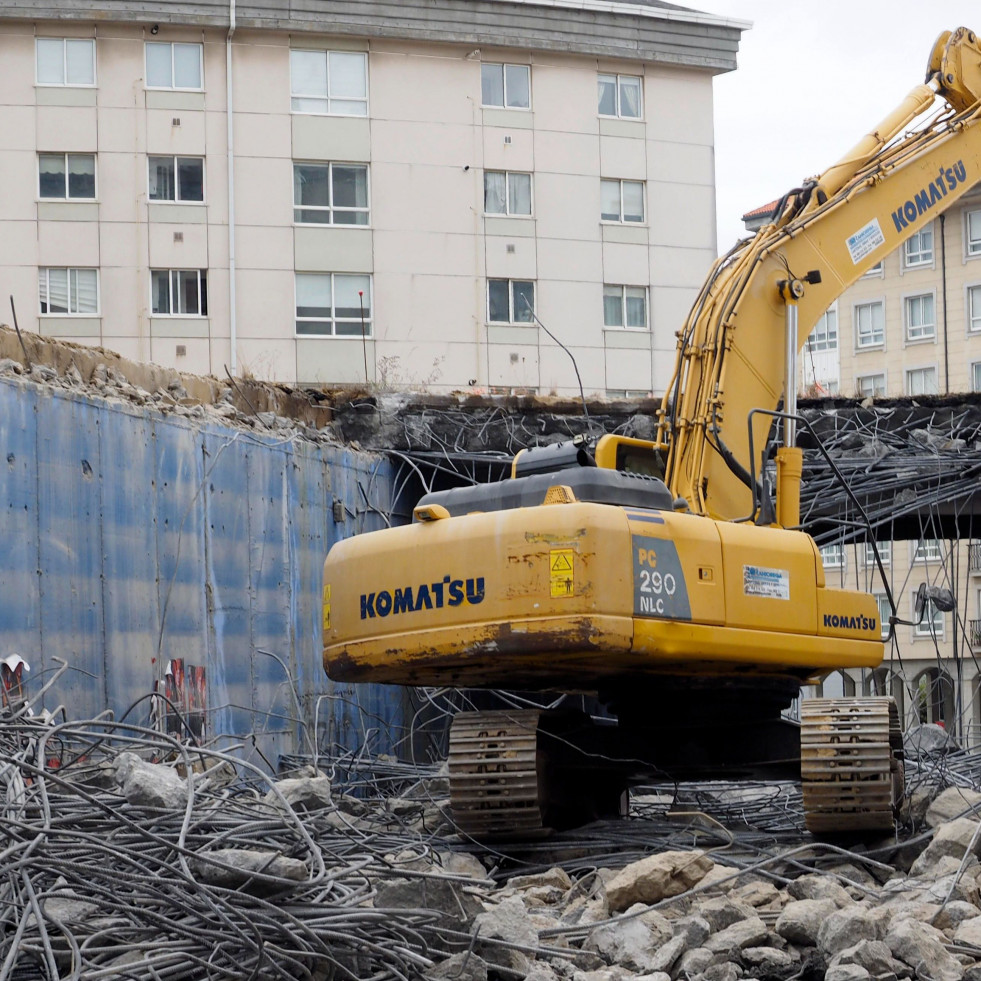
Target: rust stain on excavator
<point x="393" y="665"/>
<point x="566" y="539"/>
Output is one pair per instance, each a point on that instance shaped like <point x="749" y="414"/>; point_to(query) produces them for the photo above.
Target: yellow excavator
<point x="660" y="577"/>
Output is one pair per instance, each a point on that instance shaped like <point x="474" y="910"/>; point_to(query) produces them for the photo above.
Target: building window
<point x="69" y="292"/>
<point x="824" y="336"/>
<point x="918" y="248"/>
<point x="179" y="292"/>
<point x="510" y="301"/>
<point x="329" y="82"/>
<point x="932" y="624"/>
<point x="620" y="95"/>
<point x="66" y="176"/>
<point x="868" y="386"/>
<point x="65" y="61"/>
<point x="176" y="178"/>
<point x="875" y="270"/>
<point x="974" y="308"/>
<point x="833" y="556"/>
<point x="920" y="319"/>
<point x="885" y="552"/>
<point x="976" y="376"/>
<point x="870" y="319"/>
<point x="625" y="306"/>
<point x="974" y="233"/>
<point x="170" y="65"/>
<point x="505" y="86"/>
<point x="622" y="201"/>
<point x="330" y="194"/>
<point x="333" y="305"/>
<point x="507" y="193"/>
<point x="885" y="612"/>
<point x="921" y="381"/>
<point x="628" y="393"/>
<point x="928" y="550"/>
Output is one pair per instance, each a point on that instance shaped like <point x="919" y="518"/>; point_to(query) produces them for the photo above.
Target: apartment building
<point x="912" y="324"/>
<point x="339" y="194"/>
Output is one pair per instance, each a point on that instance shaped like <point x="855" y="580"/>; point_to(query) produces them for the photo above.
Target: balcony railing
<point x="974" y="557"/>
<point x="974" y="633"/>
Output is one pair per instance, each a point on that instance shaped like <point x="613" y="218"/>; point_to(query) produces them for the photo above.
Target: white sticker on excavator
<point x="769" y="583"/>
<point x="865" y="241"/>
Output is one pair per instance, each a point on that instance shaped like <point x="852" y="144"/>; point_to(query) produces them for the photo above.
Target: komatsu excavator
<point x="659" y="576"/>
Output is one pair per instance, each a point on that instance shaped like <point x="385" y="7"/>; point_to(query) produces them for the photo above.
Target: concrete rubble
<point x="137" y="857"/>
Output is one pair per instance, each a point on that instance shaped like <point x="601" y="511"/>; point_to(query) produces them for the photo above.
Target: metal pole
<point x="790" y="383"/>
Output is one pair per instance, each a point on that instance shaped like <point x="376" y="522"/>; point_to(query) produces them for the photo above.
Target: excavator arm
<point x="823" y="237"/>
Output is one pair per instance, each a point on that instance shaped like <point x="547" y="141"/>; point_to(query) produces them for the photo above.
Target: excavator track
<point x="495" y="787"/>
<point x="851" y="764"/>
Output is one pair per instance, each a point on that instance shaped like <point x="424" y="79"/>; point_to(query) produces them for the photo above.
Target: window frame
<point x="511" y="304"/>
<point x="969" y="306"/>
<point x="326" y="97"/>
<point x="173" y="87"/>
<point x="874" y="374"/>
<point x="331" y="208"/>
<point x="833" y="556"/>
<point x="972" y="247"/>
<point x="622" y="220"/>
<point x="927" y="550"/>
<point x="920" y="263"/>
<point x="202" y="276"/>
<point x="623" y="287"/>
<point x="64" y="62"/>
<point x="873" y="344"/>
<point x="617" y="76"/>
<point x="877" y="271"/>
<point x="504" y="66"/>
<point x="67" y="197"/>
<point x="369" y="320"/>
<point x="923" y="369"/>
<point x="814" y="343"/>
<point x="975" y="379"/>
<point x="176" y="157"/>
<point x="885" y="554"/>
<point x="46" y="270"/>
<point x="908" y="301"/>
<point x="885" y="611"/>
<point x="507" y="213"/>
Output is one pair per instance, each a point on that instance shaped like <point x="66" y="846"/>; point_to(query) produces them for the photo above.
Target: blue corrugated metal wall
<point x="130" y="538"/>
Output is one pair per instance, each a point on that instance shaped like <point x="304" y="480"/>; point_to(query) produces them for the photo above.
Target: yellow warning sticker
<point x="326" y="608"/>
<point x="561" y="572"/>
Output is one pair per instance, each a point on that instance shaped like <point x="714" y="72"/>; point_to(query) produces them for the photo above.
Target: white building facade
<point x="407" y="201"/>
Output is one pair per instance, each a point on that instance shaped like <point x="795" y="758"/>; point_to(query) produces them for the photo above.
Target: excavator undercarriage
<point x="517" y="773"/>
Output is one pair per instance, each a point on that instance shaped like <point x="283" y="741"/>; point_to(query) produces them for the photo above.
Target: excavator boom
<point x="730" y="356"/>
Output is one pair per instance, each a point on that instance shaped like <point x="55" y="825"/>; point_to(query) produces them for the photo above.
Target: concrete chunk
<point x="149" y="784"/>
<point x="655" y="878"/>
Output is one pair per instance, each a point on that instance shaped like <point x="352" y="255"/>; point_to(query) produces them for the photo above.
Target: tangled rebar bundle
<point x="93" y="885"/>
<point x="914" y="468"/>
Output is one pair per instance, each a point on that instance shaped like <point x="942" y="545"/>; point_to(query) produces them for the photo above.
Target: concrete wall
<point x="132" y="538"/>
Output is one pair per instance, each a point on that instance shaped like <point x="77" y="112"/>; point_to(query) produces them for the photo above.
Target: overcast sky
<point x="812" y="79"/>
